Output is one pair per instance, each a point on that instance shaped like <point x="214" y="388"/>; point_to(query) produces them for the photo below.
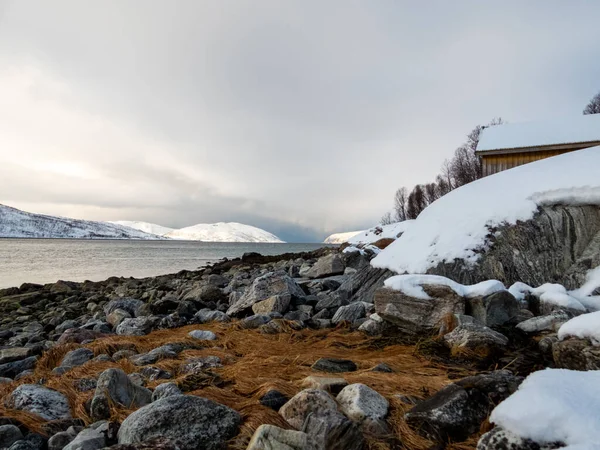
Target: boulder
<point x="495" y="309"/>
<point x="46" y="403"/>
<point x="264" y="287"/>
<point x="362" y="285"/>
<point x="270" y="437"/>
<point x="117" y="316"/>
<point x="88" y="439"/>
<point x="139" y="326"/>
<point x="60" y="440"/>
<point x="77" y="357"/>
<point x="330" y="384"/>
<point x="129" y="305"/>
<point x="114" y="386"/>
<point x="277" y="303"/>
<point x="457" y="410"/>
<point x="350" y="313"/>
<point x="194" y="422"/>
<point x="255" y="321"/>
<point x="551" y="322"/>
<point x="208" y="315"/>
<point x="417" y="316"/>
<point x="360" y="403"/>
<point x="197" y="365"/>
<point x="306" y="403"/>
<point x="326" y="266"/>
<point x="332" y="302"/>
<point x="155" y="373"/>
<point x="9" y="434"/>
<point x="475" y="337"/>
<point x="274" y="400"/>
<point x="332" y="430"/>
<point x="8" y="355"/>
<point x="202" y="335"/>
<point x="13" y="369"/>
<point x="79" y="335"/>
<point x="334" y="365"/>
<point x="165" y="390"/>
<point x="501" y="439"/>
<point x="576" y="354"/>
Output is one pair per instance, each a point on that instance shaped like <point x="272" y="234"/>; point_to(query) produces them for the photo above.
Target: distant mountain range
<point x="15" y="223"/>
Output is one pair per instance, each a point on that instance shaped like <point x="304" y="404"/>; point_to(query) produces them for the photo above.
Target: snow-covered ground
<point x="412" y="285"/>
<point x="374" y="234"/>
<point x="584" y="128"/>
<point x="554" y="405"/>
<point x="223" y="232"/>
<point x="340" y="238"/>
<point x="456" y="226"/>
<point x="20" y="224"/>
<point x="146" y="227"/>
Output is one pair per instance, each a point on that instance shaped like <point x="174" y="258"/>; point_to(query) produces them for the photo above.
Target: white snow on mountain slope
<point x="584" y="128"/>
<point x="223" y="232"/>
<point x="146" y="227"/>
<point x="371" y="235"/>
<point x="554" y="405"/>
<point x="15" y="223"/>
<point x="457" y="225"/>
<point x="340" y="238"/>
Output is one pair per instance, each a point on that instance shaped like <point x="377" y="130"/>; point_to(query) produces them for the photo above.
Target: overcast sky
<point x="301" y="117"/>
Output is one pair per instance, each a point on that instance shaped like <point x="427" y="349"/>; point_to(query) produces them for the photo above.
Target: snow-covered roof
<point x="457" y="225"/>
<point x="577" y="129"/>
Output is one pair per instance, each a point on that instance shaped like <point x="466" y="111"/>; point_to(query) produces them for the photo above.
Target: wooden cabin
<point x="505" y="146"/>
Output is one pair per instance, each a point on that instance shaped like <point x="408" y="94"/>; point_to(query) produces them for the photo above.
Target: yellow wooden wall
<point x="496" y="163"/>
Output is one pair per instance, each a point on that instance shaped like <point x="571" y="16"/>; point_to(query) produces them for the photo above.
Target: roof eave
<point x="539" y="148"/>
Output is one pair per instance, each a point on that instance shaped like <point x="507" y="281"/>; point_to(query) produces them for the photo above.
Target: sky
<point x="301" y="117"/>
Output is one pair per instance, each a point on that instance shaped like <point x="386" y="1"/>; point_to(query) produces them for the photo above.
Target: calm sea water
<point x="48" y="260"/>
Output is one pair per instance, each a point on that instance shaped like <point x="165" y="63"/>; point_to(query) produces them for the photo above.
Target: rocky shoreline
<point x="296" y="351"/>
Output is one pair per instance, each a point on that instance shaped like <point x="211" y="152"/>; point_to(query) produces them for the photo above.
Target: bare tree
<point x="416" y="202"/>
<point x="400" y="203"/>
<point x="386" y="219"/>
<point x="443" y="186"/>
<point x="431" y="193"/>
<point x="593" y="106"/>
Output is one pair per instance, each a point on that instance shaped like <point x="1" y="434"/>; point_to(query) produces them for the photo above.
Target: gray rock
<point x="551" y="322"/>
<point x="264" y="287"/>
<point x="165" y="390"/>
<point x="495" y="309"/>
<point x="382" y="367"/>
<point x="274" y="400"/>
<point x="457" y="411"/>
<point x="78" y="335"/>
<point x="332" y="430"/>
<point x="374" y="325"/>
<point x="299" y="316"/>
<point x="194" y="422"/>
<point x="350" y="313"/>
<point x="255" y="321"/>
<point x="65" y="326"/>
<point x="207" y="315"/>
<point x="46" y="403"/>
<point x="359" y="402"/>
<point x="270" y="437"/>
<point x="123" y="354"/>
<point x="196" y="365"/>
<point x="9" y="434"/>
<point x="306" y="403"/>
<point x="13" y="369"/>
<point x="334" y="365"/>
<point x="364" y="283"/>
<point x="77" y="357"/>
<point x="576" y="354"/>
<point x="115" y="387"/>
<point x="130" y="305"/>
<point x="138" y="326"/>
<point x="417" y="316"/>
<point x="325" y="266"/>
<point x="85" y="384"/>
<point x="88" y="439"/>
<point x="202" y="335"/>
<point x="501" y="439"/>
<point x="24" y="445"/>
<point x="117" y="316"/>
<point x="277" y="303"/>
<point x="332" y="301"/>
<point x="473" y="336"/>
<point x="155" y="373"/>
<point x="60" y="440"/>
<point x="333" y="385"/>
<point x="8" y="355"/>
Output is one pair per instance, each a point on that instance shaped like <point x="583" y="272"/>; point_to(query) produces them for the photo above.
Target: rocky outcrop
<point x="559" y="245"/>
<point x="417" y="316"/>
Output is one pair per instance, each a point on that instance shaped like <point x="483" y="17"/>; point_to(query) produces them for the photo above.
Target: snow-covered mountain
<point x="223" y="232"/>
<point x="340" y="238"/>
<point x="146" y="227"/>
<point x="15" y="223"/>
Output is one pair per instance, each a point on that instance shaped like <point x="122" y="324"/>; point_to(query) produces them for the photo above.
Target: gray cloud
<point x="298" y="117"/>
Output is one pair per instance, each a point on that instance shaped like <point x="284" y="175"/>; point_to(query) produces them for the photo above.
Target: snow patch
<point x="374" y="234"/>
<point x="340" y="238"/>
<point x="554" y="405"/>
<point x="223" y="232"/>
<point x="412" y="285"/>
<point x="586" y="326"/>
<point x="146" y="227"/>
<point x="458" y="225"/>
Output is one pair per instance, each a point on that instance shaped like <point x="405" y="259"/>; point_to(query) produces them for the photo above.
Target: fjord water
<point x="49" y="260"/>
